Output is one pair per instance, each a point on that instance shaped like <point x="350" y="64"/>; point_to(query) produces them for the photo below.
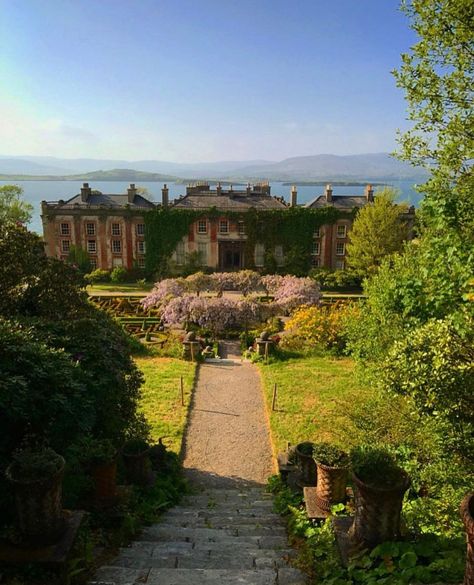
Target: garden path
<point x="226" y="533"/>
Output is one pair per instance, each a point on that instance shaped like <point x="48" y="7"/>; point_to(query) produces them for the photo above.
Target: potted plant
<point x="379" y="487"/>
<point x="304" y="457"/>
<point x="333" y="467"/>
<point x="137" y="461"/>
<point x="467" y="515"/>
<point x="36" y="476"/>
<point x="101" y="460"/>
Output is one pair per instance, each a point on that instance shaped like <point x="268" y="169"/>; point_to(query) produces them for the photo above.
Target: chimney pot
<point x="293" y="196"/>
<point x="219" y="188"/>
<point x="369" y="193"/>
<point x="131" y="192"/>
<point x="329" y="193"/>
<point x="165" y="196"/>
<point x="85" y="192"/>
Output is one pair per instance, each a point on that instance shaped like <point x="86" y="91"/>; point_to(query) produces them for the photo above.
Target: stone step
<point x="167" y="532"/>
<point x="166" y="576"/>
<point x="246" y="515"/>
<point x="227" y="522"/>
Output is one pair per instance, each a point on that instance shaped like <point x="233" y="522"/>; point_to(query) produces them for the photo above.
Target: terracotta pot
<point x="467" y="515"/>
<point x="307" y="466"/>
<point x="39" y="506"/>
<point x="331" y="487"/>
<point x="104" y="476"/>
<point x="137" y="467"/>
<point x="377" y="513"/>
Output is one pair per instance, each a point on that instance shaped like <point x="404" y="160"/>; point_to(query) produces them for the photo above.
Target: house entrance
<point x="231" y="256"/>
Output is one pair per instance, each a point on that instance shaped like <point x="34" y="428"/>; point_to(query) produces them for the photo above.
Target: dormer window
<point x="223" y="226"/>
<point x="202" y="226"/>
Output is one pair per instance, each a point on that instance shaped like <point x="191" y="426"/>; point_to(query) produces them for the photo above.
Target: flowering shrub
<point x="291" y="292"/>
<point x="164" y="291"/>
<point x="318" y="326"/>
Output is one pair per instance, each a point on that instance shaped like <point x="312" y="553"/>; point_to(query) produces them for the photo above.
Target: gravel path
<point x="227" y="442"/>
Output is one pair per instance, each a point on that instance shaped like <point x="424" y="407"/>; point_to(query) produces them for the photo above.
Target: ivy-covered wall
<point x="291" y="228"/>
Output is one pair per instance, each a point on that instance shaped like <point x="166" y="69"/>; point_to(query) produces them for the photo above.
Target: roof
<point x="228" y="202"/>
<point x="109" y="200"/>
<point x="346" y="202"/>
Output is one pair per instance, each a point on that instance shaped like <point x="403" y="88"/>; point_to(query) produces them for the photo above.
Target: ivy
<point x="291" y="228"/>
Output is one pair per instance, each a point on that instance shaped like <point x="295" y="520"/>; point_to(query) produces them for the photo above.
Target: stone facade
<point x="112" y="227"/>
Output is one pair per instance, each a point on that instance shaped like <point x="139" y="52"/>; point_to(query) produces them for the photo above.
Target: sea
<point x="36" y="191"/>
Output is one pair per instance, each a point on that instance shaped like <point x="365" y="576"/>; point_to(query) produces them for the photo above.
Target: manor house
<point x="111" y="227"/>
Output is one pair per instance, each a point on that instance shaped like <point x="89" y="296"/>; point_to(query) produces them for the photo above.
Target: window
<point x="91" y="246"/>
<point x="141" y="263"/>
<point x="316" y="248"/>
<point x="241" y="227"/>
<point x="279" y="258"/>
<point x="65" y="245"/>
<point x="116" y="246"/>
<point x="180" y="253"/>
<point x="340" y="249"/>
<point x="202" y="226"/>
<point x="341" y="231"/>
<point x="141" y="247"/>
<point x="93" y="263"/>
<point x="90" y="229"/>
<point x="259" y="255"/>
<point x="117" y="262"/>
<point x="315" y="262"/>
<point x="116" y="229"/>
<point x="202" y="249"/>
<point x="140" y="229"/>
<point x="339" y="264"/>
<point x="317" y="233"/>
<point x="224" y="226"/>
<point x="65" y="229"/>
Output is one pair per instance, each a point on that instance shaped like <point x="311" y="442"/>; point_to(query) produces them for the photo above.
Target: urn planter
<point x="104" y="476"/>
<point x="306" y="463"/>
<point x="38" y="496"/>
<point x="137" y="462"/>
<point x="467" y="515"/>
<point x="333" y="468"/>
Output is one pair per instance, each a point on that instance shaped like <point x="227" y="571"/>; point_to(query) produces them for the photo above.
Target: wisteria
<point x="180" y="302"/>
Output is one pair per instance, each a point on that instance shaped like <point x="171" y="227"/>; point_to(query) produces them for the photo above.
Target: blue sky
<point x="200" y="80"/>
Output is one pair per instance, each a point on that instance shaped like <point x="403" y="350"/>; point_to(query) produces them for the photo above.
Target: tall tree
<point x="378" y="230"/>
<point x="437" y="75"/>
<point x="12" y="207"/>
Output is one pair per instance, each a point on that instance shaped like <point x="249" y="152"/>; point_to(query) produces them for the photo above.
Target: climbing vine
<point x="291" y="228"/>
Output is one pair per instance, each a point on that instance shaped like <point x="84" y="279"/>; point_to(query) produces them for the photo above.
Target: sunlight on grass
<point x="161" y="397"/>
<point x="314" y="397"/>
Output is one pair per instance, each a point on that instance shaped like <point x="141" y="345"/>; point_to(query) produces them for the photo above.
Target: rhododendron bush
<point x="180" y="301"/>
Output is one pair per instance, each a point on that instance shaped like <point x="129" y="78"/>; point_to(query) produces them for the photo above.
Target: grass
<point x="161" y="397"/>
<point x="314" y="398"/>
<point x="123" y="287"/>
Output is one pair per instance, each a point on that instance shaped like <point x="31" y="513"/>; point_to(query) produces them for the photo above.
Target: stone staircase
<point x="218" y="537"/>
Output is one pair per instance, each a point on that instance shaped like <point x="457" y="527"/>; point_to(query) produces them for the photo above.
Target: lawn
<point x="123" y="288"/>
<point x="161" y="397"/>
<point x="314" y="396"/>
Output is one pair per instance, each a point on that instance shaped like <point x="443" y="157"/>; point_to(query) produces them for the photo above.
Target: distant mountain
<point x="321" y="167"/>
<point x="112" y="175"/>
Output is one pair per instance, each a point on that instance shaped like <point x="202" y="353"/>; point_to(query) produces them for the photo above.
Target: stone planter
<point x="377" y="513"/>
<point x="306" y="464"/>
<point x="137" y="467"/>
<point x="39" y="506"/>
<point x="331" y="487"/>
<point x="467" y="515"/>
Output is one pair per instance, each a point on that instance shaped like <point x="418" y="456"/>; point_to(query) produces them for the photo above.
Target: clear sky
<point x="200" y="80"/>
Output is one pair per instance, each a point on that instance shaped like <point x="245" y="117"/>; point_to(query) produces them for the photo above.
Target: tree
<point x="79" y="257"/>
<point x="378" y="231"/>
<point x="12" y="208"/>
<point x="438" y="78"/>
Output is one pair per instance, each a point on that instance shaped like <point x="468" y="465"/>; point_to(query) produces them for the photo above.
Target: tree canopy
<point x="378" y="230"/>
<point x="12" y="207"/>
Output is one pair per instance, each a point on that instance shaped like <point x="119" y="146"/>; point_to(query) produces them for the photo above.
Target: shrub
<point x="98" y="275"/>
<point x="118" y="274"/>
<point x="330" y="455"/>
<point x="375" y="466"/>
<point x="336" y="279"/>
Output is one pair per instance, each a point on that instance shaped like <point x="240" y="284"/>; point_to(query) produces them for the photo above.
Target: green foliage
<point x="378" y="231"/>
<point x="79" y="257"/>
<point x="12" y="208"/>
<point x="291" y="228"/>
<point x="35" y="463"/>
<point x="97" y="275"/>
<point x="435" y="366"/>
<point x="376" y="466"/>
<point x="330" y="455"/>
<point x="336" y="279"/>
<point x="118" y="274"/>
<point x="95" y="451"/>
<point x="135" y="446"/>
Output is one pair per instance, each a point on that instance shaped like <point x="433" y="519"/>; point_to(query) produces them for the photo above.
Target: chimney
<point x="219" y="188"/>
<point x="249" y="189"/>
<point x="85" y="192"/>
<point x="131" y="192"/>
<point x="165" y="195"/>
<point x="293" y="196"/>
<point x="369" y="193"/>
<point x="329" y="193"/>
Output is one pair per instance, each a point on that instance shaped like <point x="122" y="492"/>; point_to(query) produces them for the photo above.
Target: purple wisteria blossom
<point x="294" y="292"/>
